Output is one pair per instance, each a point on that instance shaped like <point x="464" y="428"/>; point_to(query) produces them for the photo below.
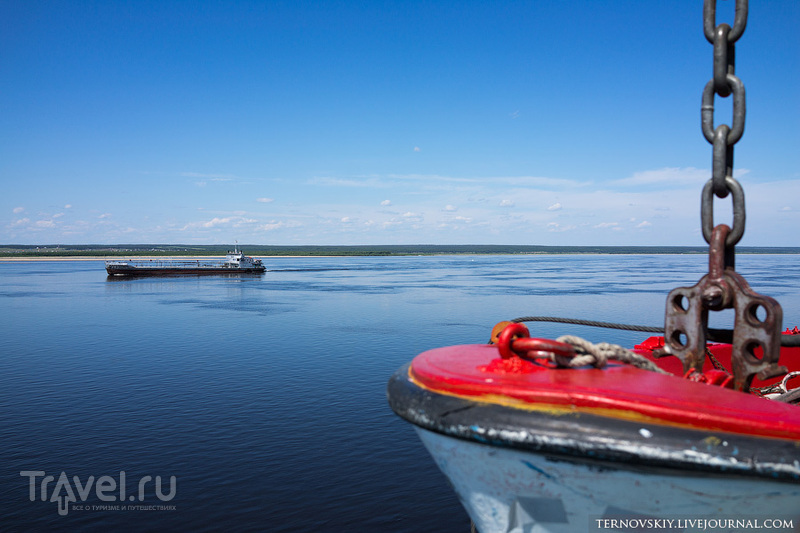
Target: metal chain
<point x="757" y="321"/>
<point x="723" y="83"/>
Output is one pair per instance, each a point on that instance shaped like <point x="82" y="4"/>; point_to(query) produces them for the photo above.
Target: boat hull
<point x="509" y="490"/>
<point x="235" y="263"/>
<point x="117" y="270"/>
<point x="545" y="449"/>
<point x="612" y="437"/>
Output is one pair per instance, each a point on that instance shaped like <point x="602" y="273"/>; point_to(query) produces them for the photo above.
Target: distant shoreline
<point x="50" y="258"/>
<point x="87" y="252"/>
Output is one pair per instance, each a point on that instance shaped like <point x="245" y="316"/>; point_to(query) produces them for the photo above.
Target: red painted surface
<point x="618" y="391"/>
<point x="790" y="357"/>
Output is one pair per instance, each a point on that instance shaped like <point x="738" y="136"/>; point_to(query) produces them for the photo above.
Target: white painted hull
<point x="512" y="491"/>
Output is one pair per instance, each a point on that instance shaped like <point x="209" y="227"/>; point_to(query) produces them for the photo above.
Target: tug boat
<point x="235" y="262"/>
<point x="529" y="445"/>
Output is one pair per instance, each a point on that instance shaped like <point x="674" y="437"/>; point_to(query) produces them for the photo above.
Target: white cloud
<point x="205" y="178"/>
<point x="211" y="177"/>
<point x="539" y="182"/>
<point x="370" y="181"/>
<point x="555" y="226"/>
<point x="417" y="149"/>
<point x="436" y="209"/>
<point x="273" y="225"/>
<point x="68" y="206"/>
<point x="216" y="221"/>
<point x="669" y="176"/>
<point x="234" y="222"/>
<point x="391" y="222"/>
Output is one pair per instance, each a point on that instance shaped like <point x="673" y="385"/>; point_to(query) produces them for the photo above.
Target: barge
<point x="235" y="262"/>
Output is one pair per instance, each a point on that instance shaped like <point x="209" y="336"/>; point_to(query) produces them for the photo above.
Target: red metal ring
<point x="542" y="347"/>
<point x="513" y="331"/>
<point x="515" y="340"/>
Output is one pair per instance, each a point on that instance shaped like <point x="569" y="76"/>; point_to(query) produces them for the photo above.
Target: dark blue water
<point x="264" y="396"/>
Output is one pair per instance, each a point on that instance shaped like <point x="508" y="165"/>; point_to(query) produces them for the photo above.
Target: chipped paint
<point x="537" y="469"/>
<point x="615" y="443"/>
<point x="656" y="452"/>
<point x="507" y="490"/>
<point x="620" y="393"/>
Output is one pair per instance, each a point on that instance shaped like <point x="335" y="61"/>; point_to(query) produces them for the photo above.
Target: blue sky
<point x="558" y="122"/>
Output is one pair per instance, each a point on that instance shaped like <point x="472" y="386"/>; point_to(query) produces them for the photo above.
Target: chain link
<point x="710" y="20"/>
<point x="707" y="208"/>
<point x="722" y="138"/>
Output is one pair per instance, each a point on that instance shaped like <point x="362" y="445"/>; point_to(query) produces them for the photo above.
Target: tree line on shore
<point x="176" y="250"/>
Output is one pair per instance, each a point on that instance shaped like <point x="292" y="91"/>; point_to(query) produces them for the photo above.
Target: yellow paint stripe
<point x="574" y="410"/>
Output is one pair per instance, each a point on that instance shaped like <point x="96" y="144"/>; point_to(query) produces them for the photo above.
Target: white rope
<point x="599" y="354"/>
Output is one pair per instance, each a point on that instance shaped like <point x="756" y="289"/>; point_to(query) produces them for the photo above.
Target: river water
<point x="258" y="403"/>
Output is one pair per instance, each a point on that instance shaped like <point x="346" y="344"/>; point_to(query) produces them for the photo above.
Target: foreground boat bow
<point x="531" y="444"/>
<point x="545" y="436"/>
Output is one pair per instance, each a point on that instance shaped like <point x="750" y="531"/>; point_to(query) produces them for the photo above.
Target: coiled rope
<point x="513" y="340"/>
<point x="598" y="355"/>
